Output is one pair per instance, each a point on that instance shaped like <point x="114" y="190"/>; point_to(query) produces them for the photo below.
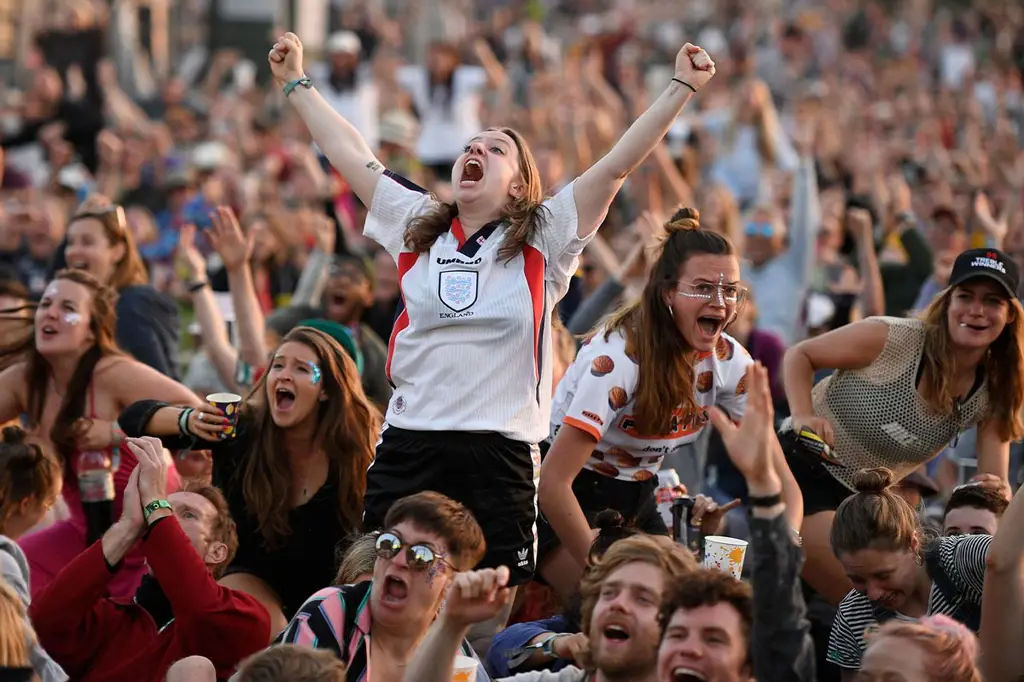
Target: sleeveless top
<point x="880" y="419"/>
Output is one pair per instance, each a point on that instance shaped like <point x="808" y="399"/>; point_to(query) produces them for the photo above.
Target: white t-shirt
<point x="445" y="124"/>
<point x="597" y="395"/>
<point x="359" y="106"/>
<point x="471" y="346"/>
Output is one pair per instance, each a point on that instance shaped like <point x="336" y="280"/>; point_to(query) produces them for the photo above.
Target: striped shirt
<point x="339" y="619"/>
<point x="962" y="558"/>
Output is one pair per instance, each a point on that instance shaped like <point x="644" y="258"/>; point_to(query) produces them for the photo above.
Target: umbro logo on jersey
<point x="458" y="261"/>
<point x="457" y="289"/>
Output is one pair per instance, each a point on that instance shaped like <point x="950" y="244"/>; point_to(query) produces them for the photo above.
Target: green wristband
<point x="154" y="506"/>
<point x="304" y="82"/>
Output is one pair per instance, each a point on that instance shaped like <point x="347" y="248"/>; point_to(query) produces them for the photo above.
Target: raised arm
<point x="222" y="354"/>
<point x="595" y="189"/>
<point x="1002" y="628"/>
<point x="235" y="250"/>
<point x="338" y="139"/>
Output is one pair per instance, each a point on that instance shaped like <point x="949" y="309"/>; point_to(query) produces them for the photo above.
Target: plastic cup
<point x="228" y="403"/>
<point x="725" y="554"/>
<point x="465" y="669"/>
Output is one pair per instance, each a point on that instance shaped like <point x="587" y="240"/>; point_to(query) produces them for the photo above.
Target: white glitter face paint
<point x="721" y="299"/>
<point x="73" y="319"/>
<point x="51" y="290"/>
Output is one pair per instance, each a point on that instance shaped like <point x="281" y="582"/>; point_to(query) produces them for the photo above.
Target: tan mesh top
<point x="879" y="418"/>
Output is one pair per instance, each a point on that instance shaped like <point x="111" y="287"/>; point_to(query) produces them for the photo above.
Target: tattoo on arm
<point x="374" y="165"/>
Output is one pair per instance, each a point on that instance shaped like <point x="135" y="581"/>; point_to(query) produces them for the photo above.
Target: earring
<point x="919" y="560"/>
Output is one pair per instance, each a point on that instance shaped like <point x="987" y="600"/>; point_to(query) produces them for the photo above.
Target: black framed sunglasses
<point x="420" y="557"/>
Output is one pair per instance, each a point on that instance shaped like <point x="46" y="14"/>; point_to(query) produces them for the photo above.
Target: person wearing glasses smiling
<point x="639" y="389"/>
<point x="427" y="540"/>
<point x="99" y="242"/>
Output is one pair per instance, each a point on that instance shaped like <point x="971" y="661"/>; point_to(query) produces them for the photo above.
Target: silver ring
<point x="201" y="417"/>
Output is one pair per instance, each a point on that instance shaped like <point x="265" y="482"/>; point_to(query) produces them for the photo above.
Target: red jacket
<point x="98" y="639"/>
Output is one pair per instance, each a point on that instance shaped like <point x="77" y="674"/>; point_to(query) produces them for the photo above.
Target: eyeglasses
<point x="759" y="229"/>
<point x="723" y="294"/>
<point x="420" y="557"/>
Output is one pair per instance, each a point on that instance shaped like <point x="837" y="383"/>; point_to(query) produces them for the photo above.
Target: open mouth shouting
<point x="79" y="265"/>
<point x="685" y="674"/>
<point x="711" y="325"/>
<point x="284" y="398"/>
<point x="472" y="173"/>
<point x="615" y="636"/>
<point x="394" y="591"/>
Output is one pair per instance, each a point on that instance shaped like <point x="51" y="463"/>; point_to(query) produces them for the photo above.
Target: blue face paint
<point x="317" y="374"/>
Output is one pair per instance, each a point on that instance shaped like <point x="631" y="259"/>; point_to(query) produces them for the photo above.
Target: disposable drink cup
<point x="228" y="403"/>
<point x="725" y="554"/>
<point x="465" y="669"/>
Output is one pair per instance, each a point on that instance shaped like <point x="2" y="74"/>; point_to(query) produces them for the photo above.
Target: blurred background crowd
<point x="850" y="148"/>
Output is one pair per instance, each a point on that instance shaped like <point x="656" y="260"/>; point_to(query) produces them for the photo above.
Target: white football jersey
<point x="471" y="346"/>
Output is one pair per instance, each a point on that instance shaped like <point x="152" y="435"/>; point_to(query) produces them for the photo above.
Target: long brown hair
<point x="130" y="270"/>
<point x="665" y="380"/>
<point x="1003" y="367"/>
<point x="102" y="321"/>
<point x="525" y="215"/>
<point x="346" y="429"/>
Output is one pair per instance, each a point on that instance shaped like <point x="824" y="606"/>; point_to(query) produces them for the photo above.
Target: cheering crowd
<point x="456" y="367"/>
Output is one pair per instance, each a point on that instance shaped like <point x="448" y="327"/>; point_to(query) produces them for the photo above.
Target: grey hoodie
<point x="14" y="569"/>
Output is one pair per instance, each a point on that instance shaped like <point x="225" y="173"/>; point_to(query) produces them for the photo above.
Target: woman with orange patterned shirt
<point x="639" y="389"/>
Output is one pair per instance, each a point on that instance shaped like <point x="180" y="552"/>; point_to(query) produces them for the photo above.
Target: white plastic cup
<point x="465" y="669"/>
<point x="667" y="492"/>
<point x="725" y="554"/>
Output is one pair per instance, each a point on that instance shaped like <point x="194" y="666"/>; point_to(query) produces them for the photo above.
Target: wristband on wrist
<point x="682" y="82"/>
<point x="291" y="85"/>
<point x="765" y="501"/>
<point x="547" y="647"/>
<point x="197" y="286"/>
<point x="153" y="506"/>
<point x="183" y="420"/>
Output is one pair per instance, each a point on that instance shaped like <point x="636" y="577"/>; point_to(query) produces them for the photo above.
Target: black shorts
<point x="493" y="476"/>
<point x="596" y="492"/>
<point x="821" y="490"/>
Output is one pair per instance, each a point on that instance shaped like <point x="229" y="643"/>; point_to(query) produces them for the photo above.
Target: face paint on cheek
<point x="317" y="375"/>
<point x="436" y="569"/>
<point x="73" y="319"/>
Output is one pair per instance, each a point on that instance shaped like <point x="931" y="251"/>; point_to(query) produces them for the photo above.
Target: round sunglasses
<point x="420" y="557"/>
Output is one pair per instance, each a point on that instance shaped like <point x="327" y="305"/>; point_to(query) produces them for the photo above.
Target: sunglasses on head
<point x="759" y="230"/>
<point x="420" y="557"/>
<point x="101" y="213"/>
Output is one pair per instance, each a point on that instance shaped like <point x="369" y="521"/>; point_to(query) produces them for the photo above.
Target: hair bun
<point x="683" y="220"/>
<point x="874" y="481"/>
<point x="609" y="519"/>
<point x="14" y="435"/>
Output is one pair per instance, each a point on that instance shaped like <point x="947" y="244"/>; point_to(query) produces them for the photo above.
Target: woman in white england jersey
<point x="639" y="389"/>
<point x="470" y="354"/>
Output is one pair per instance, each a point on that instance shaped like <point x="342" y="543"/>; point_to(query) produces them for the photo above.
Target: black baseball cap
<point x="991" y="263"/>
